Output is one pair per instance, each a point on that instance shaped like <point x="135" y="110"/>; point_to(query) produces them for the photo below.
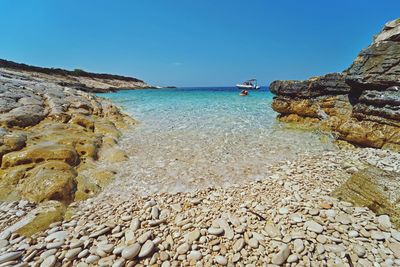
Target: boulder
<point x="374" y="188"/>
<point x="52" y="181"/>
<point x="40" y="218"/>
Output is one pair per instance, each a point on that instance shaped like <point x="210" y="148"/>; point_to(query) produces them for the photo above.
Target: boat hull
<point x="247" y="87"/>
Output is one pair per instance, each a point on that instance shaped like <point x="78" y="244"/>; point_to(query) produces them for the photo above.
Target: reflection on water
<point x="191" y="137"/>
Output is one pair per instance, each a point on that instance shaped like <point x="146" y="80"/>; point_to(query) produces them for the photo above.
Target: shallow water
<point x="197" y="137"/>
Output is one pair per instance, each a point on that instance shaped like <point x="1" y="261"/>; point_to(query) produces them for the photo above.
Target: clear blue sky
<point x="192" y="43"/>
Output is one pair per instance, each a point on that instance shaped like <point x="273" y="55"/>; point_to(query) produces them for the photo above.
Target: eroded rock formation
<point x="361" y="104"/>
<point x="51" y="137"/>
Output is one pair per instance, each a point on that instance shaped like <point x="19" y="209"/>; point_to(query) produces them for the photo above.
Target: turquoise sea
<point x="195" y="137"/>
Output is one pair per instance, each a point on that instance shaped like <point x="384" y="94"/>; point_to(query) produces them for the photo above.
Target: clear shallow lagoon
<point x="196" y="137"/>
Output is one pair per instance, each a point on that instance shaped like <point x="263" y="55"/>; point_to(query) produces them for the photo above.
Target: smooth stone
<point x="272" y="231"/>
<point x="100" y="252"/>
<point x="182" y="249"/>
<point x="298" y="245"/>
<point x="314" y="227"/>
<point x="3" y="243"/>
<point x="353" y="233"/>
<point x="49" y="261"/>
<point x="283" y="211"/>
<point x="364" y="263"/>
<point x="100" y="232"/>
<point x="377" y="235"/>
<point x="384" y="222"/>
<point x="343" y="219"/>
<point x="48" y="253"/>
<point x="221" y="260"/>
<point x="330" y="213"/>
<point x="253" y="242"/>
<point x="144" y="237"/>
<point x="322" y="239"/>
<point x="320" y="249"/>
<point x="228" y="232"/>
<point x="83" y="253"/>
<point x="234" y="219"/>
<point x="150" y="203"/>
<point x="164" y="256"/>
<point x="135" y="224"/>
<point x="155" y="213"/>
<point x="146" y="249"/>
<point x="92" y="259"/>
<point x="72" y="253"/>
<point x="56" y="236"/>
<point x="118" y="250"/>
<point x="236" y="257"/>
<point x="6" y="234"/>
<point x="292" y="258"/>
<point x="131" y="251"/>
<point x="395" y="247"/>
<point x="9" y="256"/>
<point x="215" y="231"/>
<point x="296" y="218"/>
<point x="238" y="245"/>
<point x="396" y="235"/>
<point x="177" y="207"/>
<point x="334" y="248"/>
<point x="119" y="263"/>
<point x="193" y="236"/>
<point x="106" y="262"/>
<point x="194" y="255"/>
<point x="281" y="257"/>
<point x="76" y="244"/>
<point x="107" y="248"/>
<point x="126" y="218"/>
<point x="359" y="250"/>
<point x="313" y="212"/>
<point x="129" y="236"/>
<point x="54" y="245"/>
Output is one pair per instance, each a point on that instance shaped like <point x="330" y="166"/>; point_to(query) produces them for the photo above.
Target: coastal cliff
<point x="361" y="104"/>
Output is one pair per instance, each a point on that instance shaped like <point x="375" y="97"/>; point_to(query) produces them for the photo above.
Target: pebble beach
<point x="286" y="219"/>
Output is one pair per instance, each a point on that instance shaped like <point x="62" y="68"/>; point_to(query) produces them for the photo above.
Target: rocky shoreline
<point x="53" y="139"/>
<point x="336" y="208"/>
<point x="288" y="218"/>
<point x="361" y="104"/>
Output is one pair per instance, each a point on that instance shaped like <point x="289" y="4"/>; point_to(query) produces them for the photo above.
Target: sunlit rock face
<point x="51" y="137"/>
<point x="361" y="104"/>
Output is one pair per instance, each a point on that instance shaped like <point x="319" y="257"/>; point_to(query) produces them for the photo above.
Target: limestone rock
<point x="375" y="189"/>
<point x="51" y="180"/>
<point x="360" y="104"/>
<point x="40" y="153"/>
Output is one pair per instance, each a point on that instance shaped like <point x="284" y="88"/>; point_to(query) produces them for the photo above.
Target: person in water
<point x="244" y="92"/>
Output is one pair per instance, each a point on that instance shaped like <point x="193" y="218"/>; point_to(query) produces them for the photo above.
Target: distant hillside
<point x="78" y="79"/>
<point x="57" y="71"/>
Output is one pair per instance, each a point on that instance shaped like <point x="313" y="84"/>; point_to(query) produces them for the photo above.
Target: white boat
<point x="249" y="85"/>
